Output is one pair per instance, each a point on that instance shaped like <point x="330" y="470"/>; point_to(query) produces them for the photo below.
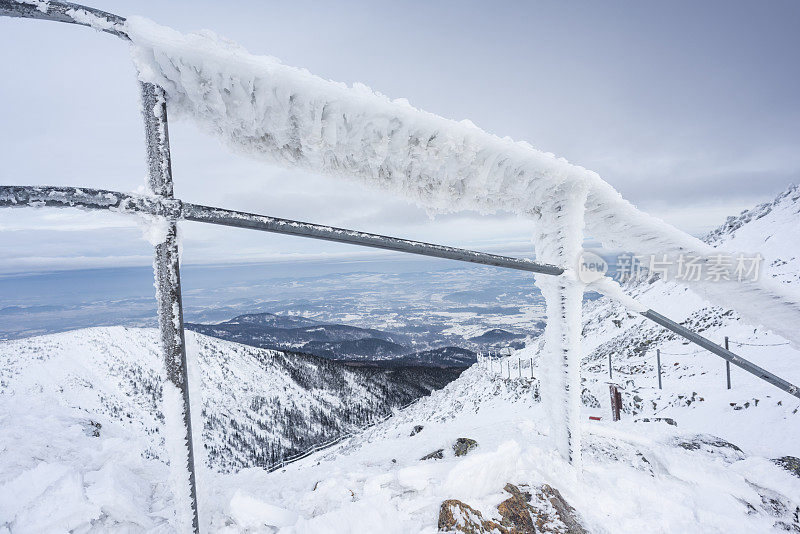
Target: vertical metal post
<point x="519" y="367"/>
<point x="658" y="363"/>
<point x="727" y="365"/>
<point x="167" y="270"/>
<point x="609" y="366"/>
<point x="530" y="361"/>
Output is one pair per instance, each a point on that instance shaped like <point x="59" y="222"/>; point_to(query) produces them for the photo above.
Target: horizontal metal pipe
<point x="722" y="352"/>
<point x="12" y="196"/>
<point x="194" y="212"/>
<point x="66" y="12"/>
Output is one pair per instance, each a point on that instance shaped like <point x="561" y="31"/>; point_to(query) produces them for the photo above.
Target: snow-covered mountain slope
<point x="716" y="470"/>
<point x="258" y="405"/>
<point x="638" y="477"/>
<point x="694" y="381"/>
<point x="772" y="229"/>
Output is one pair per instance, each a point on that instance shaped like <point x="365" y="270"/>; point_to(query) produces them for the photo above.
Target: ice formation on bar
<point x="289" y="116"/>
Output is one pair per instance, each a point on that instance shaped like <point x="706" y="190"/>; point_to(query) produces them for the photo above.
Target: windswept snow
<point x="73" y="438"/>
<point x="376" y="482"/>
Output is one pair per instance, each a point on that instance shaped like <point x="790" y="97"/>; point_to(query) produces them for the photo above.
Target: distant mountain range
<point x="346" y="343"/>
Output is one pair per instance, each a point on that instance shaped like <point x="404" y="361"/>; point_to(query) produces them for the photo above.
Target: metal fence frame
<point x="163" y="204"/>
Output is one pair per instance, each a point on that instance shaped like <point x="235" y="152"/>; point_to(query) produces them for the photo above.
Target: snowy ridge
<point x="770" y="228"/>
<point x="288" y="116"/>
<point x="257" y="405"/>
<point x="786" y="200"/>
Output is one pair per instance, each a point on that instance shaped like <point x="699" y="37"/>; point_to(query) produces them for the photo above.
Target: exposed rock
<point x="455" y="516"/>
<point x="516" y="512"/>
<point x="417" y="430"/>
<point x="667" y="420"/>
<point x="564" y="514"/>
<point x="435" y="455"/>
<point x="92" y="428"/>
<point x="790" y="463"/>
<point x="711" y="445"/>
<point x="463" y="445"/>
<point x="588" y="399"/>
<point x="546" y="511"/>
<point x="783" y="509"/>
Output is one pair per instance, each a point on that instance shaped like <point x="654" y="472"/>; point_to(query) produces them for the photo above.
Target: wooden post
<point x="616" y="402"/>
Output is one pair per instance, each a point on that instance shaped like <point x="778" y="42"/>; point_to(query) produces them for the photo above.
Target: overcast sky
<point x="690" y="109"/>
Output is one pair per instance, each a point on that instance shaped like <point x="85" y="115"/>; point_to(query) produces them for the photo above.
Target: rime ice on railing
<point x="288" y="116"/>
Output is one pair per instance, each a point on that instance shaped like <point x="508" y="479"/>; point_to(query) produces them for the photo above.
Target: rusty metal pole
<point x="616" y="402"/>
<point x="167" y="273"/>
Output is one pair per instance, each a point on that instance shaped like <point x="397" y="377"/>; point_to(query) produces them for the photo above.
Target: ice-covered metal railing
<point x="64" y="12"/>
<point x="424" y="155"/>
<point x="290" y="116"/>
<point x="166" y="265"/>
<point x="263" y="108"/>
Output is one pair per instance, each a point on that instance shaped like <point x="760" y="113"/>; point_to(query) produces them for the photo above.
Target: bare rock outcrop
<point x="544" y="511"/>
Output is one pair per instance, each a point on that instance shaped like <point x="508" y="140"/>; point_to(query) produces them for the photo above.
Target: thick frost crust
<point x="293" y="118"/>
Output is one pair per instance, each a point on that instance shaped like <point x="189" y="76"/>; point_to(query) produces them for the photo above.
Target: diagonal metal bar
<point x="722" y="352"/>
<point x="198" y="213"/>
